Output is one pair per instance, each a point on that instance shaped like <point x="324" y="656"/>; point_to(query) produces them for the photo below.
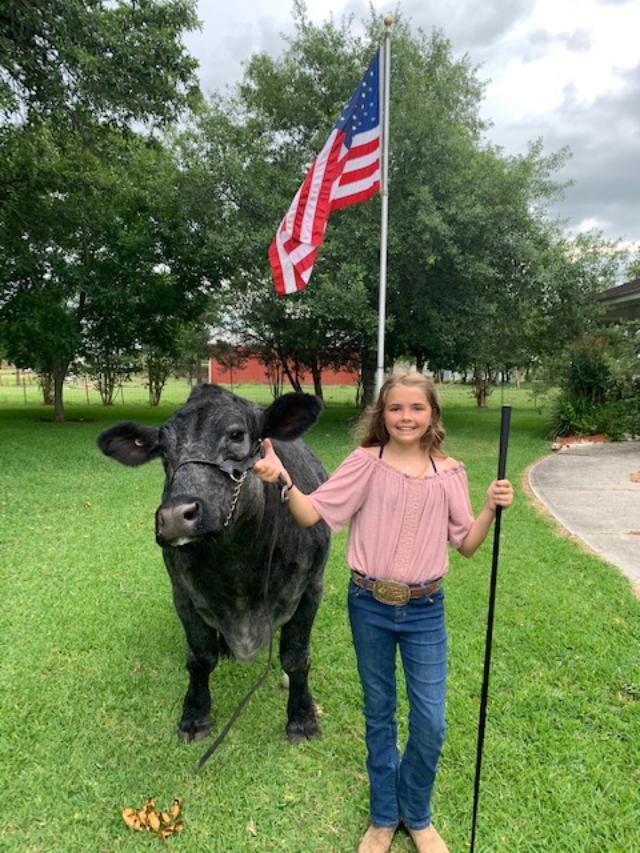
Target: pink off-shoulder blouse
<point x="400" y="525"/>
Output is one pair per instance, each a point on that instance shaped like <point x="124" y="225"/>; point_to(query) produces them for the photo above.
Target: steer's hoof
<point x="192" y="730"/>
<point x="300" y="730"/>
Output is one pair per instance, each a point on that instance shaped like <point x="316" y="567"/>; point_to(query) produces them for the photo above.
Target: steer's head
<point x="206" y="448"/>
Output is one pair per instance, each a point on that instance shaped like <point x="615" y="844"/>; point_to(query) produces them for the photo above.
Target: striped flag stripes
<point x="345" y="172"/>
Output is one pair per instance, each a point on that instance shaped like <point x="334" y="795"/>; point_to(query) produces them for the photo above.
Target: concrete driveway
<point x="591" y="490"/>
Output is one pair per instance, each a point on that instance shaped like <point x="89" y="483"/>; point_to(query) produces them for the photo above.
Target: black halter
<point x="236" y="469"/>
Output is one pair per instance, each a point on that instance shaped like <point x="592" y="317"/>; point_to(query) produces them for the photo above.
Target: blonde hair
<point x="373" y="432"/>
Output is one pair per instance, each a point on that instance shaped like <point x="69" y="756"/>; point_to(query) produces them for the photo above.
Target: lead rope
<point x="259" y="681"/>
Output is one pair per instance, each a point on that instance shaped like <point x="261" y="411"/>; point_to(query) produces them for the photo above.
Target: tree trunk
<point x="273" y="371"/>
<point x="45" y="380"/>
<point x="367" y="386"/>
<point x="480" y="382"/>
<point x="420" y="362"/>
<point x="293" y="379"/>
<point x="59" y="374"/>
<point x="156" y="387"/>
<point x="106" y="386"/>
<point x="317" y="379"/>
<point x="158" y="370"/>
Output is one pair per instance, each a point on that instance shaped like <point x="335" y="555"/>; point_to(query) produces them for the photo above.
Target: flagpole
<point x="382" y="295"/>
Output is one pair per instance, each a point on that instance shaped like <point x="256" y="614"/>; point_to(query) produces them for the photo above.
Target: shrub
<point x="589" y="375"/>
<point x="620" y="418"/>
<point x="575" y="415"/>
<point x="600" y="389"/>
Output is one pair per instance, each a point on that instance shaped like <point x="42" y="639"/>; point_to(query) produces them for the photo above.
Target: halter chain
<point x="234" y="499"/>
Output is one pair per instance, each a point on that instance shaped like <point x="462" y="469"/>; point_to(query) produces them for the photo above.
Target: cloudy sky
<point x="565" y="70"/>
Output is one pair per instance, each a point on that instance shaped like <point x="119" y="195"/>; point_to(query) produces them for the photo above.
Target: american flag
<point x="345" y="172"/>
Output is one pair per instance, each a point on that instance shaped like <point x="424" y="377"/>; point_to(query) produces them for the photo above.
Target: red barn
<point x="252" y="371"/>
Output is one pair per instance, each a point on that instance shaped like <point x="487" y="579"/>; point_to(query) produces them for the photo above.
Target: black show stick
<point x="484" y="696"/>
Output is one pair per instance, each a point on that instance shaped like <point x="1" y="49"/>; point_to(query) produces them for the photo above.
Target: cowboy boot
<point x="427" y="840"/>
<point x="377" y="839"/>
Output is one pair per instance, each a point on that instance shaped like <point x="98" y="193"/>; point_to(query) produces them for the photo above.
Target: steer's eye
<point x="236" y="435"/>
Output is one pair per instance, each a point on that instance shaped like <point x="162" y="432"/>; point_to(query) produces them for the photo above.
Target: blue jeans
<point x="400" y="787"/>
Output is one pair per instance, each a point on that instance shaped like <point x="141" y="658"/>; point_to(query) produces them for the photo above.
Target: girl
<point x="405" y="499"/>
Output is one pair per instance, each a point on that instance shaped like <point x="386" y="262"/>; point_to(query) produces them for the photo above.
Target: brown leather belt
<point x="392" y="592"/>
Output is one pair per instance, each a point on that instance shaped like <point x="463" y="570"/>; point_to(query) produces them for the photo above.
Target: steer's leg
<point x="196" y="722"/>
<point x="294" y="658"/>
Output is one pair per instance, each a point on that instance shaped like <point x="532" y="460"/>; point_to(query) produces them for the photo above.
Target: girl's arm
<point x="499" y="493"/>
<point x="270" y="469"/>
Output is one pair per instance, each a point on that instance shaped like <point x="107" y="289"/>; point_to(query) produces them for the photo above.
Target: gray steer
<point x="218" y="524"/>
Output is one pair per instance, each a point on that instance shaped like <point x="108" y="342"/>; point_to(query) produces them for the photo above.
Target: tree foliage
<point x="112" y="236"/>
<point x="97" y="257"/>
<point x="107" y="61"/>
<point x="96" y="253"/>
<point x="479" y="274"/>
<point x="633" y="266"/>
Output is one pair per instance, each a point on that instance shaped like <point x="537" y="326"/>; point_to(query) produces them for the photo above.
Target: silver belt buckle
<point x="391" y="592"/>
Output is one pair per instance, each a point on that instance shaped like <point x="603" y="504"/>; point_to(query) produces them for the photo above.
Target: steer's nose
<point x="177" y="521"/>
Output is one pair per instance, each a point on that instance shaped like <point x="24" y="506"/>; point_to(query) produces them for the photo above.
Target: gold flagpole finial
<point x="388" y="20"/>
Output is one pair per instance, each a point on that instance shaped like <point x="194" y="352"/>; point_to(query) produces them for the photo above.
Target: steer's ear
<point x="130" y="443"/>
<point x="290" y="415"/>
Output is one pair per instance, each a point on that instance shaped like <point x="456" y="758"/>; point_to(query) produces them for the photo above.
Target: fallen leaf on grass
<point x="251" y="828"/>
<point x="130" y="817"/>
<point x="148" y="819"/>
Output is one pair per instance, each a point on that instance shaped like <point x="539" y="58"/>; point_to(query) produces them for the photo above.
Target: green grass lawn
<point x="92" y="674"/>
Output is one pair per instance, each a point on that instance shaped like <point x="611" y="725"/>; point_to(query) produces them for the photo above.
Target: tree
<point x="112" y="62"/>
<point x="104" y="240"/>
<point x="633" y="267"/>
<point x="76" y="233"/>
<point x="478" y="270"/>
<point x="109" y="363"/>
<point x="158" y="366"/>
<point x="246" y="152"/>
<point x="192" y="345"/>
<point x="317" y="329"/>
<point x="229" y="356"/>
<point x="454" y="270"/>
<point x="90" y="249"/>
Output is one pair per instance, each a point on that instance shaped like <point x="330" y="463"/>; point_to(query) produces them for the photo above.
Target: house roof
<point x="627" y="292"/>
<point x="622" y="302"/>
